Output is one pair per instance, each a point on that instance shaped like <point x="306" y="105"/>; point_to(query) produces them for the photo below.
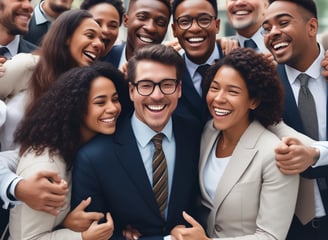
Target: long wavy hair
<point x="55" y="57"/>
<point x="54" y="120"/>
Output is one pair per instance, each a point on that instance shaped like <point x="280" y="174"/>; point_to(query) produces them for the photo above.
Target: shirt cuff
<point x="168" y="237"/>
<point x="8" y="203"/>
<point x="323" y="148"/>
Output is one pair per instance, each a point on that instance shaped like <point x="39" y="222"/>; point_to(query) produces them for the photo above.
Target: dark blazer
<point x="110" y="170"/>
<point x="191" y="104"/>
<point x="36" y="32"/>
<point x="292" y="118"/>
<point x="25" y="46"/>
<point x="114" y="55"/>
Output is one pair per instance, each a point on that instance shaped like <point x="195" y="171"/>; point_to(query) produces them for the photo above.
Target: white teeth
<point x="221" y="112"/>
<point x="279" y="45"/>
<point x="241" y="12"/>
<point x="108" y="120"/>
<point x="90" y="55"/>
<point x="147" y="40"/>
<point x="195" y="39"/>
<point x="156" y="107"/>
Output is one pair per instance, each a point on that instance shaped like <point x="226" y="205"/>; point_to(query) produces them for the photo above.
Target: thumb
<point x="52" y="176"/>
<point x="291" y="141"/>
<point x="190" y="219"/>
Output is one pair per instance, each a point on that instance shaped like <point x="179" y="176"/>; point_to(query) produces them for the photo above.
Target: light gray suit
<point x="253" y="199"/>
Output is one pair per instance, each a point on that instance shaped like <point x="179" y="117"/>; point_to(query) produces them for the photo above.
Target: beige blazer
<point x="18" y="72"/>
<point x="253" y="199"/>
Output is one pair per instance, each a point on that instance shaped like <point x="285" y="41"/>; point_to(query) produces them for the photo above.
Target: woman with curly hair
<point x="81" y="103"/>
<point x="243" y="191"/>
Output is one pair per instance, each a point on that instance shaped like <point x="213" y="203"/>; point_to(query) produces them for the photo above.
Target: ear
<point x="254" y="104"/>
<point x="125" y="20"/>
<point x="174" y="28"/>
<point x="131" y="90"/>
<point x="179" y="88"/>
<point x="217" y="25"/>
<point x="312" y="27"/>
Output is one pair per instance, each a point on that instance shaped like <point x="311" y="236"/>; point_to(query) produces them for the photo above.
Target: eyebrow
<point x="278" y="16"/>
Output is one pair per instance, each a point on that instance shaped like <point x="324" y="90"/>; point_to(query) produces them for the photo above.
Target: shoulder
<point x="26" y="46"/>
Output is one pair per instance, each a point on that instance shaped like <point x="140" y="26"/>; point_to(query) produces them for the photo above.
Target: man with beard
<point x="14" y="18"/>
<point x="44" y="14"/>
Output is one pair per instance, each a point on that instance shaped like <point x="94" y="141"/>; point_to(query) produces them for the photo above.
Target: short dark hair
<point x="308" y="5"/>
<point x="167" y="3"/>
<point x="54" y="120"/>
<point x="176" y="3"/>
<point x="262" y="81"/>
<point x="117" y="4"/>
<point x="158" y="53"/>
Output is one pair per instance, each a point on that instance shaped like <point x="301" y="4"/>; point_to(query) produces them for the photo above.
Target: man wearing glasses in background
<point x="123" y="174"/>
<point x="195" y="25"/>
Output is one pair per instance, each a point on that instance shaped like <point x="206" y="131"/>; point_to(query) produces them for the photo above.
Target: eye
<point x="161" y="22"/>
<point x="141" y="16"/>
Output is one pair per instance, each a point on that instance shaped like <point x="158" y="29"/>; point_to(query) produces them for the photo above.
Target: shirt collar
<point x="314" y="71"/>
<point x="13" y="46"/>
<point x="257" y="38"/>
<point x="144" y="134"/>
<point x="192" y="67"/>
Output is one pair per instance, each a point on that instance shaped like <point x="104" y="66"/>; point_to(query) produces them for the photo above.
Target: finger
<point x="190" y="219"/>
<point x="292" y="141"/>
<point x="51" y="175"/>
<point x="83" y="204"/>
<point x="51" y="210"/>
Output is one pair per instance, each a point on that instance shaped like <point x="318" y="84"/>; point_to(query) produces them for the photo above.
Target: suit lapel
<point x="241" y="158"/>
<point x="129" y="156"/>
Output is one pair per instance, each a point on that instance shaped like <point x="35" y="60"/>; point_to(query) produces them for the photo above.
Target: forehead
<point x="149" y="69"/>
<point x="189" y="7"/>
<point x="151" y="6"/>
<point x="282" y="8"/>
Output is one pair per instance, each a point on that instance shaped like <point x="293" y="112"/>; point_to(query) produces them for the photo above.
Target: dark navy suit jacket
<point x="114" y="55"/>
<point x="36" y="32"/>
<point x="110" y="170"/>
<point x="292" y="117"/>
<point x="191" y="104"/>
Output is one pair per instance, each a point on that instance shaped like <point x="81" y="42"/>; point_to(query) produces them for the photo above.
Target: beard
<point x="58" y="8"/>
<point x="12" y="29"/>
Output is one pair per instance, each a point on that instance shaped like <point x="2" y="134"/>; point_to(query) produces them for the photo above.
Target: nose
<point x="98" y="44"/>
<point x="27" y="6"/>
<point x="157" y="93"/>
<point x="194" y="25"/>
<point x="113" y="108"/>
<point x="150" y="25"/>
<point x="220" y="96"/>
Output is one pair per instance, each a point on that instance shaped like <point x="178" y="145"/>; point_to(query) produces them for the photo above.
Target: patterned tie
<point x="202" y="69"/>
<point x="160" y="175"/>
<point x="250" y="44"/>
<point x="305" y="207"/>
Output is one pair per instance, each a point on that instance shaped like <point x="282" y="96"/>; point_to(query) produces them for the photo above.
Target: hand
<point x="101" y="231"/>
<point x="173" y="43"/>
<point x="130" y="233"/>
<point x="196" y="232"/>
<point x="124" y="69"/>
<point x="324" y="64"/>
<point x="79" y="220"/>
<point x="293" y="157"/>
<point x="227" y="44"/>
<point x="45" y="191"/>
<point x="2" y="68"/>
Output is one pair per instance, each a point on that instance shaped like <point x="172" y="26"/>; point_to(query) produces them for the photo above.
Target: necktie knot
<point x="250" y="44"/>
<point x="202" y="69"/>
<point x="3" y="51"/>
<point x="157" y="140"/>
<point x="304" y="79"/>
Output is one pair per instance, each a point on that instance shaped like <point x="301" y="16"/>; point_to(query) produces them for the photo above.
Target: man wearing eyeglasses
<point x="121" y="172"/>
<point x="195" y="24"/>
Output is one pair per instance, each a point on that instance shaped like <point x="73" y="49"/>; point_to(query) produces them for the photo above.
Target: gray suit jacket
<point x="253" y="200"/>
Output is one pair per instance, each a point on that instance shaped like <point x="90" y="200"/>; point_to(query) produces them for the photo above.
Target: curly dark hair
<point x="117" y="4"/>
<point x="176" y="3"/>
<point x="262" y="81"/>
<point x="54" y="120"/>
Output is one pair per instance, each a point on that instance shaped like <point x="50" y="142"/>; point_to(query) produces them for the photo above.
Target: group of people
<point x="141" y="141"/>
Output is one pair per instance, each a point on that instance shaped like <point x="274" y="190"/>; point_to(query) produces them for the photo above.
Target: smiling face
<point x="109" y="20"/>
<point x="86" y="44"/>
<point x="228" y="101"/>
<point x="156" y="109"/>
<point x="290" y="34"/>
<point x="15" y="15"/>
<point x="146" y="23"/>
<point x="197" y="42"/>
<point x="103" y="108"/>
<point x="246" y="16"/>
